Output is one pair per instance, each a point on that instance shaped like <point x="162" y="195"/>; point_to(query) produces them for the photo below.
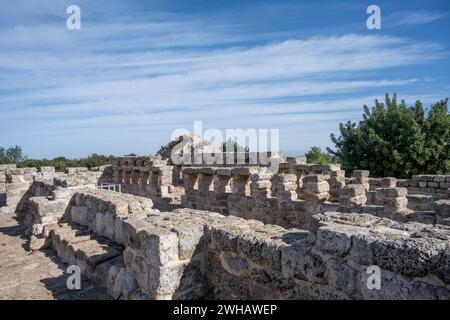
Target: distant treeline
<point x="15" y="155"/>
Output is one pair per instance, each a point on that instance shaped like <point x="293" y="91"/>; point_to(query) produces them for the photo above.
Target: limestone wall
<point x="195" y="254"/>
<point x="302" y="233"/>
<point x="20" y="184"/>
<point x="285" y="199"/>
<point x="148" y="176"/>
<point x="331" y="261"/>
<point x="3" y="181"/>
<point x="419" y="184"/>
<point x="290" y="199"/>
<point x="192" y="254"/>
<point x="103" y="211"/>
<point x="166" y="255"/>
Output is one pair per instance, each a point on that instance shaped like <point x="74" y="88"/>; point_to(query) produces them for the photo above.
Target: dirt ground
<point x="34" y="275"/>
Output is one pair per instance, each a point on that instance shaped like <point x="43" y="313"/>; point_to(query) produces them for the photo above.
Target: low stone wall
<point x="281" y="235"/>
<point x="3" y="181"/>
<point x="166" y="254"/>
<point x="423" y="202"/>
<point x="20" y="184"/>
<point x="419" y="184"/>
<point x="254" y="193"/>
<point x="191" y="254"/>
<point x="104" y="211"/>
<point x="196" y="254"/>
<point x="85" y="227"/>
<point x="149" y="176"/>
<point x="289" y="200"/>
<point x="442" y="212"/>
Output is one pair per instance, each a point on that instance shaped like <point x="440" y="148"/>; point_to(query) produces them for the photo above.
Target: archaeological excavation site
<point x="146" y="228"/>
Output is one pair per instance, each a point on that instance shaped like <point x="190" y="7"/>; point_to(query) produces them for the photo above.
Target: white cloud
<point x="418" y="17"/>
<point x="146" y="79"/>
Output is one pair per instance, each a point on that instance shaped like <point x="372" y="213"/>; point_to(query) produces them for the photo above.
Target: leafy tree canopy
<point x="315" y="155"/>
<point x="393" y="139"/>
<point x="11" y="155"/>
<point x="232" y="146"/>
<point x="15" y="155"/>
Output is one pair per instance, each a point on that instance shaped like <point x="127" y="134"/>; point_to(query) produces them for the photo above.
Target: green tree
<point x="395" y="140"/>
<point x="315" y="155"/>
<point x="232" y="146"/>
<point x="3" y="158"/>
<point x="11" y="155"/>
<point x="96" y="160"/>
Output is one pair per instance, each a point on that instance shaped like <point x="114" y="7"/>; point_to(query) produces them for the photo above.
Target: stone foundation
<point x="245" y="232"/>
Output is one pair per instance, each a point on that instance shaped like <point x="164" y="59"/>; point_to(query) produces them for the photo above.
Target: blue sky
<point x="137" y="70"/>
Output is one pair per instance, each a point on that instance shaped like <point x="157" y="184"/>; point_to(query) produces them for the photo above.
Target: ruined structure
<point x="203" y="231"/>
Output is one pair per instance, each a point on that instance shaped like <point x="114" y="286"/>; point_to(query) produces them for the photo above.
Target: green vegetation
<point x="15" y="155"/>
<point x="11" y="155"/>
<point x="393" y="139"/>
<point x="231" y="146"/>
<point x="315" y="155"/>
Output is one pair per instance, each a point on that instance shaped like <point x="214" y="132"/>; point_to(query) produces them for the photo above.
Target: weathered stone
<point x="442" y="208"/>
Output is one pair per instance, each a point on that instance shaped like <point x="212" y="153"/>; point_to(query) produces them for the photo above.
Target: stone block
<point x="313" y="178"/>
<point x="337" y="239"/>
<point x="402" y="183"/>
<point x="393" y="192"/>
<point x="341" y="276"/>
<point x="4" y="167"/>
<point x="79" y="215"/>
<point x="413" y="183"/>
<point x="318" y="187"/>
<point x="245" y="171"/>
<point x="427" y="190"/>
<point x="439" y="178"/>
<point x="2" y="177"/>
<point x="443" y="267"/>
<point x="158" y="246"/>
<point x="389" y="182"/>
<point x="124" y="285"/>
<point x="316" y="197"/>
<point x="442" y="208"/>
<point x="432" y="184"/>
<point x="47" y="169"/>
<point x="352" y="190"/>
<point x="395" y="203"/>
<point x="223" y="172"/>
<point x="412" y="257"/>
<point x="423" y="177"/>
<point x="444" y="185"/>
<point x="361" y="173"/>
<point x="413" y="190"/>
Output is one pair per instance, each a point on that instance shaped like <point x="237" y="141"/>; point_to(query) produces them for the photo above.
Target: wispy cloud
<point x="122" y="79"/>
<point x="418" y="17"/>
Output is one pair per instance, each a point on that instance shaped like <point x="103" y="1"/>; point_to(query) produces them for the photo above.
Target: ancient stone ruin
<point x="146" y="228"/>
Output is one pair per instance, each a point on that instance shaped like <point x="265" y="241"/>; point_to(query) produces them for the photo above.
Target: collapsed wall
<point x="290" y="199"/>
<point x="426" y="184"/>
<point x="330" y="261"/>
<point x="3" y="182"/>
<point x="193" y="254"/>
<point x="300" y="233"/>
<point x="18" y="185"/>
<point x="285" y="199"/>
<point x="139" y="253"/>
<point x="150" y="177"/>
